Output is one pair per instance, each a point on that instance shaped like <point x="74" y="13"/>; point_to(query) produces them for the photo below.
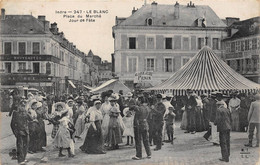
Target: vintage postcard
<point x="130" y="82"/>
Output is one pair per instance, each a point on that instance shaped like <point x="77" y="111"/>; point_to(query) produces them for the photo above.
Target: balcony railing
<point x="24" y="70"/>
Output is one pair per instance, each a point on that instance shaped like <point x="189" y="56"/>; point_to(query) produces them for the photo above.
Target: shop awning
<point x="71" y="83"/>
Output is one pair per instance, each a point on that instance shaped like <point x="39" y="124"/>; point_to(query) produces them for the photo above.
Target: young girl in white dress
<point x="128" y="120"/>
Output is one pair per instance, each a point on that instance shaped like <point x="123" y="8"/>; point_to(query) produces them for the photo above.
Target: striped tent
<point x="205" y="73"/>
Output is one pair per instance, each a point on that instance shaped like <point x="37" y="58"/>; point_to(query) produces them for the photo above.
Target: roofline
<point x="168" y="27"/>
<point x="235" y="38"/>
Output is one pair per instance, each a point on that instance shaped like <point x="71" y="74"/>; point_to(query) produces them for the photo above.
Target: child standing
<point x="63" y="138"/>
<point x="128" y="120"/>
<point x="170" y="119"/>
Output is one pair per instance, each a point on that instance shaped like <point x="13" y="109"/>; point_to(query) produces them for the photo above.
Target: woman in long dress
<point x="234" y="106"/>
<point x="93" y="143"/>
<point x="200" y="125"/>
<point x="41" y="111"/>
<point x="105" y="109"/>
<point x="80" y="125"/>
<point x="184" y="120"/>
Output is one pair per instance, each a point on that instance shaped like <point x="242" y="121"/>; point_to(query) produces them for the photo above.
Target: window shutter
<point x="15" y="48"/>
<point x="155" y="64"/>
<point x="29" y="47"/>
<point x="144" y="64"/>
<point x="209" y="41"/>
<point x="163" y="64"/>
<point x="124" y="41"/>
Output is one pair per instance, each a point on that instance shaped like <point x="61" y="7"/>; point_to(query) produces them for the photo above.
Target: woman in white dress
<point x="105" y="109"/>
<point x="80" y="124"/>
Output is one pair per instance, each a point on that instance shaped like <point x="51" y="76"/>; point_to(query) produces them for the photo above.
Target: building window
<point x="255" y="59"/>
<point x="149" y="21"/>
<point x="150" y="64"/>
<point x="169" y="65"/>
<point x="21" y="66"/>
<point x="238" y="47"/>
<point x="242" y="45"/>
<point x="8" y="47"/>
<point x="21" y="48"/>
<point x="238" y="65"/>
<point x="228" y="62"/>
<point x="48" y="68"/>
<point x="168" y="43"/>
<point x="254" y="44"/>
<point x="185" y="60"/>
<point x="150" y="43"/>
<point x="132" y="43"/>
<point x="200" y="43"/>
<point x="215" y="44"/>
<point x="8" y="67"/>
<point x="36" y="48"/>
<point x="247" y="45"/>
<point x="248" y="64"/>
<point x="186" y="43"/>
<point x="36" y="67"/>
<point x="233" y="46"/>
<point x="132" y="64"/>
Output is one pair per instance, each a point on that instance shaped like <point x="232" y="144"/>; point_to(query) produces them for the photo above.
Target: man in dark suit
<point x="223" y="122"/>
<point x="158" y="111"/>
<point x="190" y="104"/>
<point x="19" y="125"/>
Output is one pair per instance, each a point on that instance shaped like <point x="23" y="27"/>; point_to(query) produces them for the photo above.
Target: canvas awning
<point x="113" y="84"/>
<point x="206" y="72"/>
<point x="89" y="88"/>
<point x="71" y="83"/>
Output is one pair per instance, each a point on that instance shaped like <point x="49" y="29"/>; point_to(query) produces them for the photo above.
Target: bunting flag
<point x="206" y="72"/>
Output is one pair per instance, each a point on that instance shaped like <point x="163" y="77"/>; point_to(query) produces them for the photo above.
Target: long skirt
<point x="93" y="143"/>
<point x="42" y="134"/>
<point x="115" y="131"/>
<point x="104" y="126"/>
<point x="80" y="125"/>
<point x="184" y="121"/>
<point x="200" y="126"/>
<point x="34" y="136"/>
<point x="235" y="120"/>
<point x="62" y="138"/>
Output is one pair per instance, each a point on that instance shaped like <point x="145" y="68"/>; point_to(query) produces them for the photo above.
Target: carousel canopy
<point x="206" y="72"/>
<point x="112" y="84"/>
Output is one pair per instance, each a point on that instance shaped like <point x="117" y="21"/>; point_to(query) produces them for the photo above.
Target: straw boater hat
<point x="129" y="94"/>
<point x="97" y="102"/>
<point x="60" y="104"/>
<point x="70" y="100"/>
<point x="94" y="98"/>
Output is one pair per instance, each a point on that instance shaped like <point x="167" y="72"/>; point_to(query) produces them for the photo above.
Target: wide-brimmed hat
<point x="95" y="97"/>
<point x="115" y="110"/>
<point x="97" y="102"/>
<point x="113" y="97"/>
<point x="126" y="110"/>
<point x="38" y="104"/>
<point x="60" y="104"/>
<point x="70" y="100"/>
<point x="220" y="103"/>
<point x="32" y="102"/>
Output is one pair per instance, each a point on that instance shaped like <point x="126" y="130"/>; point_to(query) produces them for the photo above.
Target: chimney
<point x="46" y="25"/>
<point x="176" y="13"/>
<point x="231" y="20"/>
<point x="54" y="28"/>
<point x="154" y="9"/>
<point x="2" y="14"/>
<point x="41" y="18"/>
<point x="133" y="11"/>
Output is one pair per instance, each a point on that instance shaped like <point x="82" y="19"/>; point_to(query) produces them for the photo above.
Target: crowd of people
<point x="142" y="117"/>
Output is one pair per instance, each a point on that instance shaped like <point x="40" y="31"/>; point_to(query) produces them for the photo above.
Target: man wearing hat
<point x="19" y="125"/>
<point x="158" y="112"/>
<point x="223" y="122"/>
<point x="254" y="121"/>
<point x="190" y="104"/>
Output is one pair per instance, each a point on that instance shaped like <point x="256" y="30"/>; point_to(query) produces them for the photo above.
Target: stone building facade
<point x="162" y="38"/>
<point x="35" y="54"/>
<point x="242" y="48"/>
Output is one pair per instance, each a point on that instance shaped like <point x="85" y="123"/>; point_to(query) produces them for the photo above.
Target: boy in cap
<point x="170" y="118"/>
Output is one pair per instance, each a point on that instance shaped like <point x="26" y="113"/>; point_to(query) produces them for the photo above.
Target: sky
<point x="97" y="35"/>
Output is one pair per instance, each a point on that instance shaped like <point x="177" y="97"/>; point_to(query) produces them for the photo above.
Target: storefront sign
<point x="141" y="77"/>
<point x="29" y="58"/>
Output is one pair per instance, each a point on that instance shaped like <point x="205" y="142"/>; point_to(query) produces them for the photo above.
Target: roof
<point x="206" y="72"/>
<point x="90" y="53"/>
<point x="112" y="84"/>
<point x="165" y="13"/>
<point x="245" y="28"/>
<point x="21" y="24"/>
